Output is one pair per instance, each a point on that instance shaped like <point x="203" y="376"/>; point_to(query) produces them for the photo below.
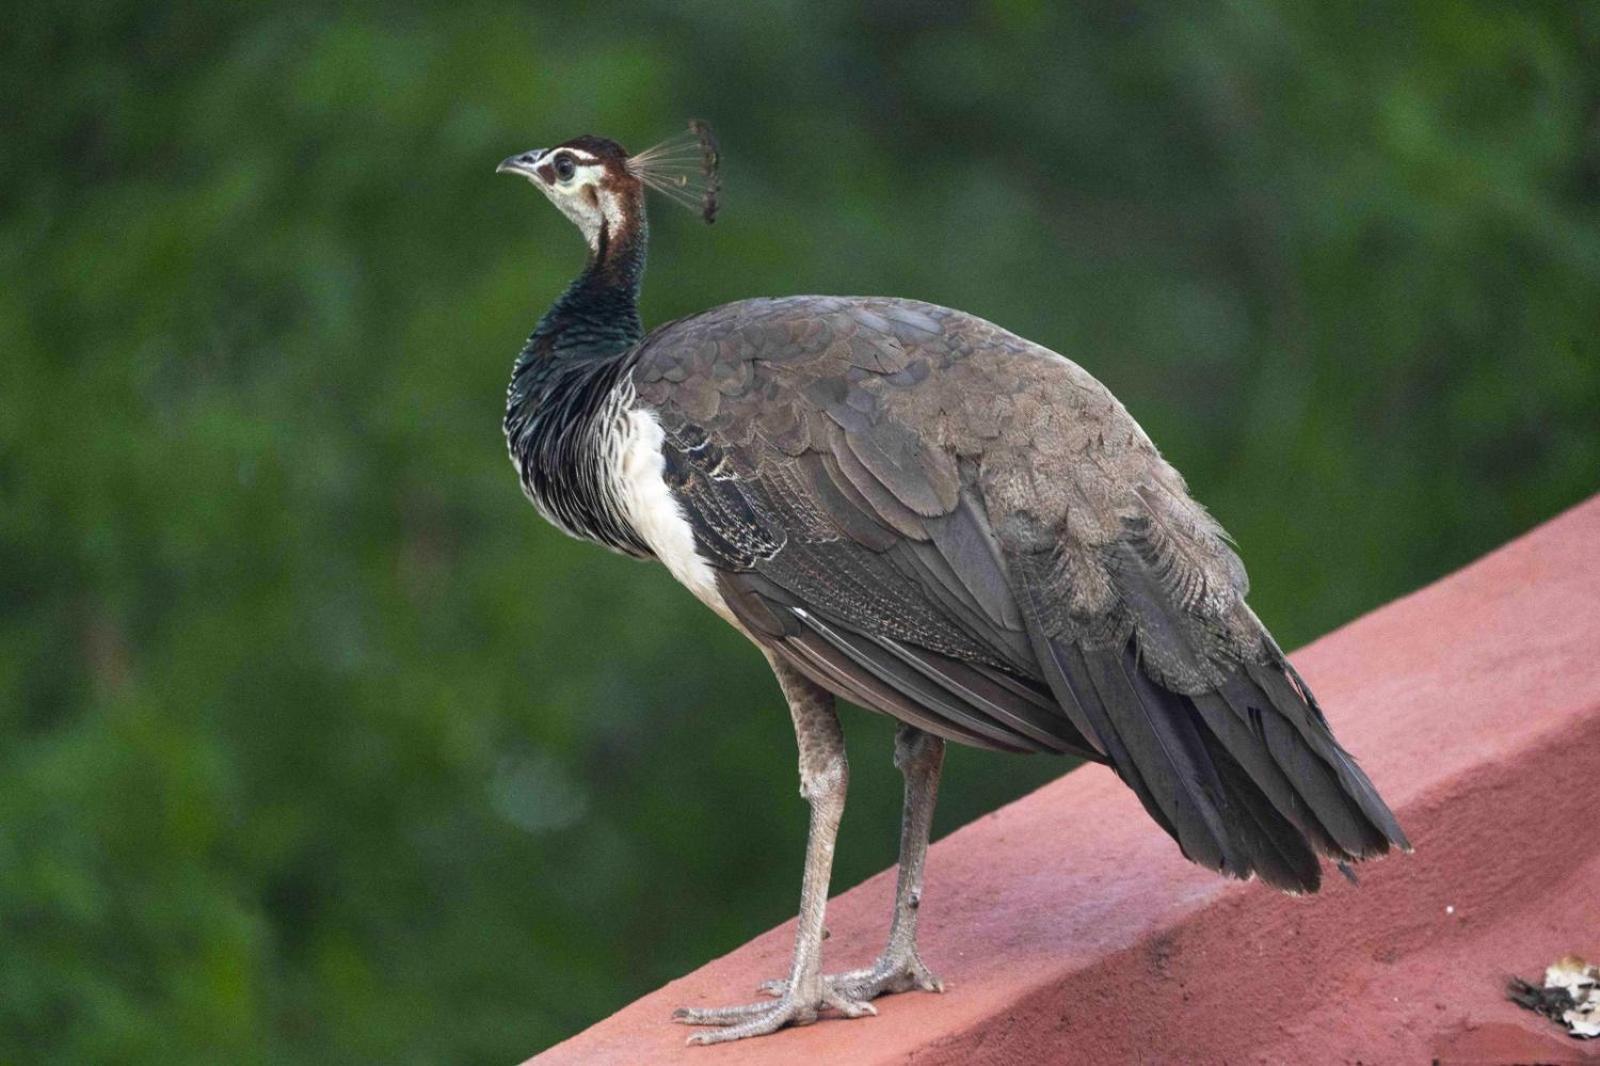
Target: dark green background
<point x="316" y="745"/>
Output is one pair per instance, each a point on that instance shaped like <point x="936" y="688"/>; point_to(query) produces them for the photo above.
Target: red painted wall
<point x="1068" y="928"/>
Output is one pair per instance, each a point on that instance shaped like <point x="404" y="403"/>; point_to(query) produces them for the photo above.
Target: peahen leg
<point x="899" y="968"/>
<point x="824" y="774"/>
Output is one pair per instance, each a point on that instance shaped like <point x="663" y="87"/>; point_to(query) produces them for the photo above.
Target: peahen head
<point x="600" y="187"/>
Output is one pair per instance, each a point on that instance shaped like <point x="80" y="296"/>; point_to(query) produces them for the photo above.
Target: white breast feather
<point x="656" y="516"/>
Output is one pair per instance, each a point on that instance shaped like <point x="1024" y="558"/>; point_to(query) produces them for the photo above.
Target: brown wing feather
<point x="881" y="558"/>
<point x="949" y="524"/>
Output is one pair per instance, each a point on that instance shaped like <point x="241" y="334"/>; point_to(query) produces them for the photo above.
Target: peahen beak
<point x="523" y="163"/>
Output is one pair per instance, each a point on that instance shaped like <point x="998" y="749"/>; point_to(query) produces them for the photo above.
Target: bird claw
<point x="758" y="1019"/>
<point x="885" y="977"/>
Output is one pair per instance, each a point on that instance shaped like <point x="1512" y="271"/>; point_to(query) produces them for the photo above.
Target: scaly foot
<point x="885" y="977"/>
<point x="758" y="1019"/>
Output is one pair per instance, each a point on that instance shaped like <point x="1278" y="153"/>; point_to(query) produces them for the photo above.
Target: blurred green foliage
<point x="316" y="745"/>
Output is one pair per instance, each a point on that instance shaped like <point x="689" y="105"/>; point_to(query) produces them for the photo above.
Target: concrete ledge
<point x="1067" y="927"/>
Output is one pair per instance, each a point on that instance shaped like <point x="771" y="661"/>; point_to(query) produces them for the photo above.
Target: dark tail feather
<point x="1233" y="731"/>
<point x="1181" y="773"/>
<point x="1247" y="779"/>
<point x="1290" y="695"/>
<point x="1276" y="850"/>
<point x="1062" y="666"/>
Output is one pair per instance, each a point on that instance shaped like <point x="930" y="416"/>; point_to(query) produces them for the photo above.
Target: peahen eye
<point x="565" y="167"/>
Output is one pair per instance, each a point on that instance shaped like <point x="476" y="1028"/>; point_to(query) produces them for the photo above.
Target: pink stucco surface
<point x="1068" y="928"/>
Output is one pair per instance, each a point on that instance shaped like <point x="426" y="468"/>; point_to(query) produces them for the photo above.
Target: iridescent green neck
<point x="598" y="315"/>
